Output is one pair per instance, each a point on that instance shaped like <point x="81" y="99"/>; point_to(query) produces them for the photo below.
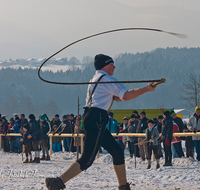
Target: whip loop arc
<point x="98" y="34"/>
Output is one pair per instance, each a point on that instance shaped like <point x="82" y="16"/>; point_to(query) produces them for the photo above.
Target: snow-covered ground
<point x="14" y="175"/>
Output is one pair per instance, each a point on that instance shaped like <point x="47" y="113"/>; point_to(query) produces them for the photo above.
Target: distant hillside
<point x="23" y="92"/>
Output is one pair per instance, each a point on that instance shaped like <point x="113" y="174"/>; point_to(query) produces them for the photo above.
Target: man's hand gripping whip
<point x="156" y="82"/>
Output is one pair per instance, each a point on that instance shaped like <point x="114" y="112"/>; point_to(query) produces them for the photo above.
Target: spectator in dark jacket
<point x="65" y="127"/>
<point x="11" y="139"/>
<point x="141" y="128"/>
<point x="159" y="124"/>
<point x="34" y="135"/>
<point x="178" y="150"/>
<point x="3" y="130"/>
<point x="177" y="120"/>
<point x="18" y="146"/>
<point x="57" y="119"/>
<point x="44" y="131"/>
<point x="131" y="128"/>
<point x="23" y="121"/>
<point x="58" y="123"/>
<point x="26" y="142"/>
<point x="136" y="114"/>
<point x="167" y="135"/>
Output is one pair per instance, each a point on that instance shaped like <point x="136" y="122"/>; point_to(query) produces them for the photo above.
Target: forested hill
<point x="23" y="92"/>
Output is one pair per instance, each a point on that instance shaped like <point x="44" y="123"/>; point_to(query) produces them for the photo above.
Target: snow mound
<point x="68" y="156"/>
<point x="105" y="159"/>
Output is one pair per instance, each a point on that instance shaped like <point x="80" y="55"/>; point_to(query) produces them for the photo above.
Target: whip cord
<point x="98" y="34"/>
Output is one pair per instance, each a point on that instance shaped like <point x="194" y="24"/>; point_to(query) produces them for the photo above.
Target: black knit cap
<point x="26" y="126"/>
<point x="101" y="61"/>
<point x="133" y="116"/>
<point x="167" y="113"/>
<point x="150" y="121"/>
<point x="135" y="112"/>
<point x="160" y="117"/>
<point x="31" y="116"/>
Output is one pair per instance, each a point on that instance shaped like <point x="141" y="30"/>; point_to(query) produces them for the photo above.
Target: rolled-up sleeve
<point x="122" y="92"/>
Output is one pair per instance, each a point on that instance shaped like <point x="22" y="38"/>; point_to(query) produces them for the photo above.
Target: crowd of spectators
<point x="35" y="135"/>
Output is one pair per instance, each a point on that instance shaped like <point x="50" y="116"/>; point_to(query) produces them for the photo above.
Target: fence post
<point x="81" y="144"/>
<point x="51" y="144"/>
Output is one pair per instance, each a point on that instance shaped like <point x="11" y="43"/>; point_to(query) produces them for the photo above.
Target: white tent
<point x="186" y="114"/>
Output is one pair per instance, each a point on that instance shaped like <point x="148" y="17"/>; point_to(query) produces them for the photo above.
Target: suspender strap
<point x="91" y="93"/>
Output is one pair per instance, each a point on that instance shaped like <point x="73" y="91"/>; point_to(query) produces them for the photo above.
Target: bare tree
<point x="191" y="91"/>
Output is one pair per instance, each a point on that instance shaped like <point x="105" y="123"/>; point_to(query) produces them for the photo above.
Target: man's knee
<point x="84" y="165"/>
<point x="118" y="159"/>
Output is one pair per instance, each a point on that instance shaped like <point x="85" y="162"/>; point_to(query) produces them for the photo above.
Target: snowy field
<point x="14" y="175"/>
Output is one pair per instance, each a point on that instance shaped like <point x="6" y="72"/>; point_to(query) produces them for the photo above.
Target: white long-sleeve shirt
<point x="103" y="95"/>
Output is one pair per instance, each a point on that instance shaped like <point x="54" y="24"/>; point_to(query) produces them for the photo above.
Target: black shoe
<point x="157" y="166"/>
<point x="42" y="158"/>
<point x="26" y="161"/>
<point x="169" y="164"/>
<point x="125" y="187"/>
<point x="54" y="183"/>
<point x="37" y="160"/>
<point x="165" y="164"/>
<point x="149" y="166"/>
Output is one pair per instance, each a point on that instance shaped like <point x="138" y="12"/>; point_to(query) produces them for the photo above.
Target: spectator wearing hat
<point x="58" y="123"/>
<point x="34" y="135"/>
<point x="155" y="122"/>
<point x="177" y="120"/>
<point x="11" y="139"/>
<point x="135" y="112"/>
<point x="26" y="142"/>
<point x="131" y="128"/>
<point x="167" y="135"/>
<point x="194" y="125"/>
<point x="141" y="128"/>
<point x="72" y="123"/>
<point x="4" y="130"/>
<point x="177" y="150"/>
<point x="45" y="129"/>
<point x="18" y="146"/>
<point x="16" y="115"/>
<point x="22" y="122"/>
<point x="152" y="136"/>
<point x="159" y="123"/>
<point x="123" y="140"/>
<point x="56" y="140"/>
<point x="65" y="127"/>
<point x="112" y="124"/>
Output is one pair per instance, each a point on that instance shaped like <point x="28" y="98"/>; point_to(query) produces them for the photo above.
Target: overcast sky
<point x="39" y="28"/>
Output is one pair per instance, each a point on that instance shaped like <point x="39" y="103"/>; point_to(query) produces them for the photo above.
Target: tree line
<point x="22" y="91"/>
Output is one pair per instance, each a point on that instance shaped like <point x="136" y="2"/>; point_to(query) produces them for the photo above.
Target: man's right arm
<point x="134" y="93"/>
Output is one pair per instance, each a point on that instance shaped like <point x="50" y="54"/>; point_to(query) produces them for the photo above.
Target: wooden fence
<point x="114" y="134"/>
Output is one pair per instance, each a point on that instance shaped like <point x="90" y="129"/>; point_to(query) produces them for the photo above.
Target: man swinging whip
<point x="98" y="102"/>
